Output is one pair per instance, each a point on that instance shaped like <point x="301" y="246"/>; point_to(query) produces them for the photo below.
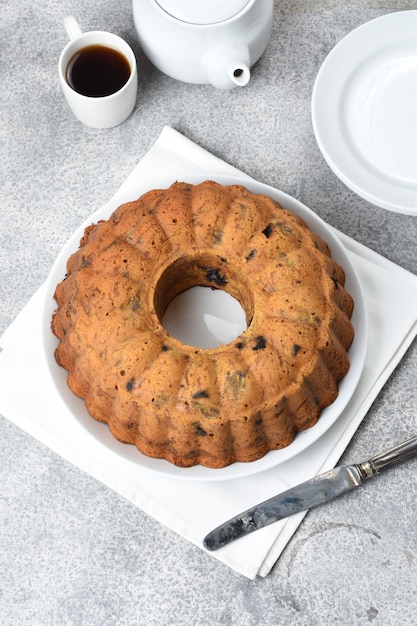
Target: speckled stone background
<point x="72" y="552"/>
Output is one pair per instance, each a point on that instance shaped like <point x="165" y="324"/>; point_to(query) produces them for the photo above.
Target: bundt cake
<point x="210" y="406"/>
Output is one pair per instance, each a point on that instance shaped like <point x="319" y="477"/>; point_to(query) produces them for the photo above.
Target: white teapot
<point x="204" y="41"/>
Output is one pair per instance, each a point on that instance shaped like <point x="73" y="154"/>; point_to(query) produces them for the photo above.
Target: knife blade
<point x="307" y="495"/>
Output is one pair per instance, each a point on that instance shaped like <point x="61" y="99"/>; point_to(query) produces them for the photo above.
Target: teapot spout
<point x="240" y="75"/>
<point x="228" y="68"/>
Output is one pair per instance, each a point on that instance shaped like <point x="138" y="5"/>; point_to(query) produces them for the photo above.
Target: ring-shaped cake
<point x="189" y="405"/>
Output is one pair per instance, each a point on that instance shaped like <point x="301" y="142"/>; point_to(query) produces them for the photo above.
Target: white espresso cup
<point x="98" y="111"/>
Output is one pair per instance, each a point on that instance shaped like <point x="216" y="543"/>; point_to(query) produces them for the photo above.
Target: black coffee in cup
<point x="97" y="71"/>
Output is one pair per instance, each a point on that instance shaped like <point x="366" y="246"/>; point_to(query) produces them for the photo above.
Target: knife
<point x="309" y="494"/>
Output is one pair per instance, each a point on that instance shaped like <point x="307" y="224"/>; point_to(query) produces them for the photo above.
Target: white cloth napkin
<point x="193" y="508"/>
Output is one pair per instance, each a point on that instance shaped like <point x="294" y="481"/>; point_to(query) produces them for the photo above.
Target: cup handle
<point x="71" y="26"/>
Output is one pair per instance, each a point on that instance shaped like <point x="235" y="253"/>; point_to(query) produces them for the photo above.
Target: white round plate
<point x="101" y="432"/>
<point x="364" y="111"/>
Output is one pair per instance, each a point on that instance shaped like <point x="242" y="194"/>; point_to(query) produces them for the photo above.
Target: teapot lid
<point x="202" y="11"/>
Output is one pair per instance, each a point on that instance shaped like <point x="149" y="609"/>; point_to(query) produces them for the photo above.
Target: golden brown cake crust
<point x="203" y="406"/>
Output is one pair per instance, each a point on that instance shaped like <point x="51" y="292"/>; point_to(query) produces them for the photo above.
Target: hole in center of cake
<point x="204" y="317"/>
<point x="201" y="302"/>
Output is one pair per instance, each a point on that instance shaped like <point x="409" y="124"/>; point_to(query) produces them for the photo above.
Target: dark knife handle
<point x="390" y="457"/>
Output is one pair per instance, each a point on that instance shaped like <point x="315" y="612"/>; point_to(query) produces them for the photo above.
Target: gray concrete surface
<point x="72" y="552"/>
